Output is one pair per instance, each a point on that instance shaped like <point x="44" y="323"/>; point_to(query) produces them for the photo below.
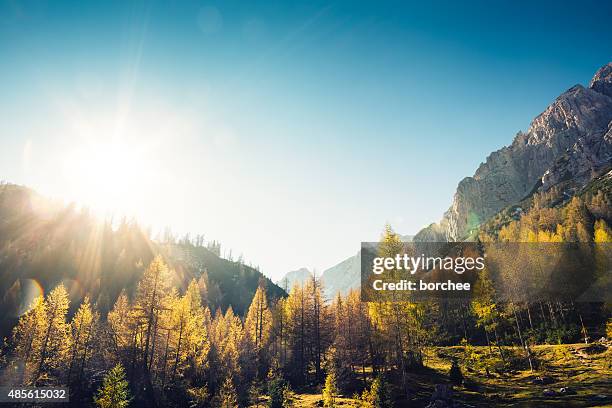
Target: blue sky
<point x="289" y="131"/>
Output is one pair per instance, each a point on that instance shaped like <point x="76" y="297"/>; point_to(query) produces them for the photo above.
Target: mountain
<point x="339" y="278"/>
<point x="346" y="275"/>
<point x="44" y="243"/>
<point x="293" y="277"/>
<point x="570" y="141"/>
<point x="342" y="277"/>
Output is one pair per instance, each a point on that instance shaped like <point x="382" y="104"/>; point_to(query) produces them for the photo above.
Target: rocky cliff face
<point x="571" y="139"/>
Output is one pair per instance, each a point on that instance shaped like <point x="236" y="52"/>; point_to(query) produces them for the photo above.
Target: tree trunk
<point x="525" y="346"/>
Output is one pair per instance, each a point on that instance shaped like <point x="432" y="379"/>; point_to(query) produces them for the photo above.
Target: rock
<point x="590" y="156"/>
<point x="602" y="81"/>
<point x="549" y="393"/>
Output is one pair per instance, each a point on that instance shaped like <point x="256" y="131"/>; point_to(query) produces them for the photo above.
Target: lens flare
<point x="30" y="290"/>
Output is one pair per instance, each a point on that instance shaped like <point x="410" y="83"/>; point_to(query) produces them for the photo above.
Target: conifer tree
<point x="55" y="336"/>
<point x="258" y="322"/>
<point x="153" y="290"/>
<point x="330" y="391"/>
<point x="276" y="389"/>
<point x="399" y="323"/>
<point x="83" y="333"/>
<point x="602" y="232"/>
<point x="27" y="337"/>
<point x="298" y="330"/>
<point x="228" y="398"/>
<point x="379" y="394"/>
<point x="196" y="342"/>
<point x="123" y="328"/>
<point x="114" y="392"/>
<point x="485" y="308"/>
<point x="319" y="321"/>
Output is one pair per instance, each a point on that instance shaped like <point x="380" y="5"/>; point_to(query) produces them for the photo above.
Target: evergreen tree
<point x="123" y="329"/>
<point x="228" y="398"/>
<point x="602" y="232"/>
<point x="258" y="322"/>
<point x="485" y="308"/>
<point x="54" y="341"/>
<point x="196" y="344"/>
<point x="83" y="333"/>
<point x="330" y="391"/>
<point x="152" y="293"/>
<point x="379" y="394"/>
<point x="276" y="391"/>
<point x="28" y="335"/>
<point x="114" y="392"/>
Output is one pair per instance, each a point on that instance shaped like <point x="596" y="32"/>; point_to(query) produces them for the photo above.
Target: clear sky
<point x="288" y="131"/>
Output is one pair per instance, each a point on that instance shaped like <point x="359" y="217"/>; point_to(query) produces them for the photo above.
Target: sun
<point x="107" y="176"/>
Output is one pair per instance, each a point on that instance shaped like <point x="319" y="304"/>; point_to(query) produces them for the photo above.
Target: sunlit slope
<point x="43" y="243"/>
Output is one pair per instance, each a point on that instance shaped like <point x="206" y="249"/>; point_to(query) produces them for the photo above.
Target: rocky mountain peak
<point x="577" y="110"/>
<point x="570" y="139"/>
<point x="602" y="80"/>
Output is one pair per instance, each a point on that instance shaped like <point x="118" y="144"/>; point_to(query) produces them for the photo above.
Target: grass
<point x="586" y="370"/>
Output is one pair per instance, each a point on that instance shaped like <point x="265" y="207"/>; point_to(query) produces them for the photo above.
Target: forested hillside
<point x="44" y="243"/>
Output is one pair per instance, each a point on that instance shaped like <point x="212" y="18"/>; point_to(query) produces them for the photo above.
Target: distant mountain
<point x="570" y="140"/>
<point x="342" y="277"/>
<point x="345" y="275"/>
<point x="44" y="243"/>
<point x="293" y="277"/>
